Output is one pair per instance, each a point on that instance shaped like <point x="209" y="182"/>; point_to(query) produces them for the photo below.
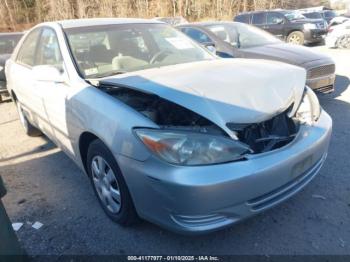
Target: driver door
<point x="275" y="24"/>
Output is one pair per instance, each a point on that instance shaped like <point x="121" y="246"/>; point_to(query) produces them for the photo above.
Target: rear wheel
<point x="29" y="129"/>
<point x="296" y="37"/>
<point x="109" y="185"/>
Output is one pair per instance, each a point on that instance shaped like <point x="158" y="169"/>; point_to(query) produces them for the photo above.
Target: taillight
<point x="330" y="29"/>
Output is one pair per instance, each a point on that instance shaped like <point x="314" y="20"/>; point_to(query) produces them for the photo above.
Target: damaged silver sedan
<point x="165" y="130"/>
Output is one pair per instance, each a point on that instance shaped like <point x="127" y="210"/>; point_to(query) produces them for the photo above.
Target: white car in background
<point x="337" y="21"/>
<point x="339" y="36"/>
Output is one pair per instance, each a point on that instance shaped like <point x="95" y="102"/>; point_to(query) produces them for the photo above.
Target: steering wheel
<point x="159" y="54"/>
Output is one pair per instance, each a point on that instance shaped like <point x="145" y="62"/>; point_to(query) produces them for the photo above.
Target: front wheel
<point x="296" y="38"/>
<point x="344" y="42"/>
<point x="109" y="185"/>
<point x="29" y="129"/>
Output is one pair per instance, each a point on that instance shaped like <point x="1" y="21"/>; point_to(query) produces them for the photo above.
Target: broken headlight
<point x="309" y="109"/>
<point x="189" y="148"/>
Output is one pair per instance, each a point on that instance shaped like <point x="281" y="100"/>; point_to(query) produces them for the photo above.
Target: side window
<point x="197" y="35"/>
<point x="49" y="51"/>
<point x="274" y="18"/>
<point x="329" y="14"/>
<point x="7" y="44"/>
<point x="242" y="18"/>
<point x="221" y="33"/>
<point x="259" y="18"/>
<point x="26" y="54"/>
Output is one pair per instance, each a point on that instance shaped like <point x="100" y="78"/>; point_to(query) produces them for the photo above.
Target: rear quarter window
<point x="259" y="19"/>
<point x="27" y="51"/>
<point x="243" y="18"/>
<point x="330" y="14"/>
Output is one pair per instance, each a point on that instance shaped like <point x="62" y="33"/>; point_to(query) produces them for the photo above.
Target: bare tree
<point x="10" y="14"/>
<point x="25" y="13"/>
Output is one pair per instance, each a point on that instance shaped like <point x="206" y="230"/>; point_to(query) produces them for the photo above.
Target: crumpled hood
<point x="288" y="53"/>
<point x="223" y="90"/>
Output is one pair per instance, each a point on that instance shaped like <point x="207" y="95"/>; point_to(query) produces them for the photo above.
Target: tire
<point x="108" y="182"/>
<point x="296" y="37"/>
<point x="29" y="129"/>
<point x="343" y="42"/>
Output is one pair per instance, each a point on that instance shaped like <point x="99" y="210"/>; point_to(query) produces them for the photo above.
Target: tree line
<point x="16" y="15"/>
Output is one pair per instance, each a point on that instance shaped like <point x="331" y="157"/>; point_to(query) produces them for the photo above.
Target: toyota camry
<point x="165" y="130"/>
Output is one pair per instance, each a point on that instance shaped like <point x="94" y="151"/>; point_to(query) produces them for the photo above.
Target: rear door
<point x="22" y="79"/>
<point x="259" y="20"/>
<point x="275" y="24"/>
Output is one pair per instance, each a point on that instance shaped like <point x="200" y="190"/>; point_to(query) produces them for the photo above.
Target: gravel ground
<point x="45" y="185"/>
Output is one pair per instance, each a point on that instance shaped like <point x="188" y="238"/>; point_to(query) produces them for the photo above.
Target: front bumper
<point x="314" y="35"/>
<point x="323" y="84"/>
<point x="205" y="198"/>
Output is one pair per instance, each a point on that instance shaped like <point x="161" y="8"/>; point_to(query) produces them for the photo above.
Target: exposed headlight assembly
<point x="190" y="148"/>
<point x="309" y="26"/>
<point x="309" y="109"/>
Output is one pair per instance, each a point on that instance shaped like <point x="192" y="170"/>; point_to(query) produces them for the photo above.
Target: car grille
<point x="320" y="71"/>
<point x="278" y="195"/>
<point x="268" y="135"/>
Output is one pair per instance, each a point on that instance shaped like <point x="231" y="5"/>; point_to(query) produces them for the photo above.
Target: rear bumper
<point x="201" y="199"/>
<point x="314" y="35"/>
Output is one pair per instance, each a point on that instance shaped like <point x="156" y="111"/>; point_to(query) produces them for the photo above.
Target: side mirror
<point x="48" y="73"/>
<point x="210" y="46"/>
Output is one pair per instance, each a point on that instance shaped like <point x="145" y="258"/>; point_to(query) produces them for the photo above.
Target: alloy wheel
<point x="295" y="39"/>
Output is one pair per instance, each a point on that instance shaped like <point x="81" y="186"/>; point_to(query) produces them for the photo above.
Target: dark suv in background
<point x="290" y="26"/>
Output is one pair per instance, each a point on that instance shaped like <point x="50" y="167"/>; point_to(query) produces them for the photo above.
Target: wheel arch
<point x="294" y="30"/>
<point x="85" y="139"/>
<point x="13" y="95"/>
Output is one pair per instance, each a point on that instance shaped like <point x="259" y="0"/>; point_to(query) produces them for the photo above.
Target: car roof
<point x="309" y="12"/>
<point x="265" y="11"/>
<point x="208" y="23"/>
<point x="74" y="23"/>
<point x="11" y="34"/>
